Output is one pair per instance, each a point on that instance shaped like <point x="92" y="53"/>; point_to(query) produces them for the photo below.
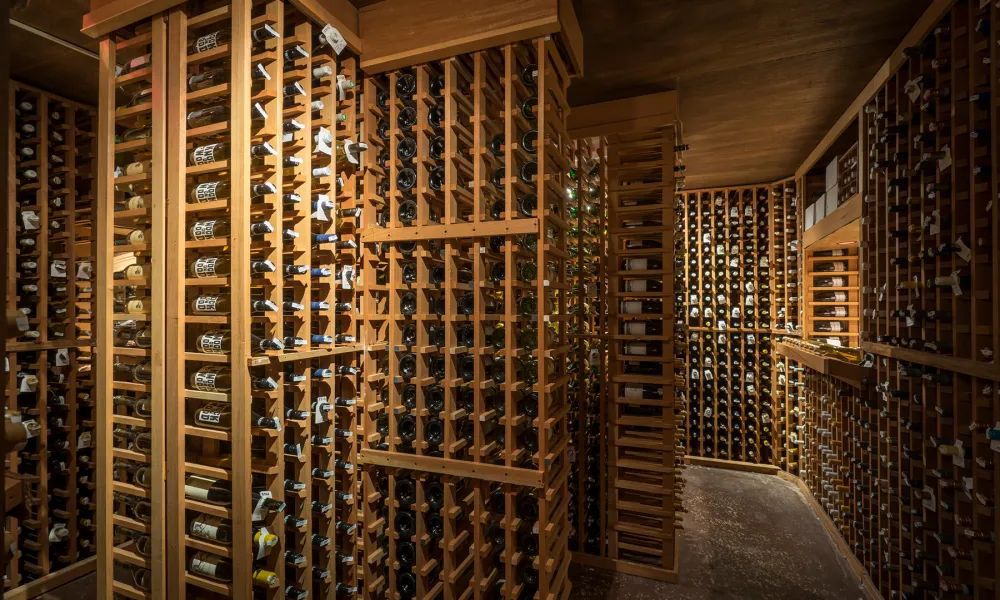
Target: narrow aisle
<point x="746" y="536"/>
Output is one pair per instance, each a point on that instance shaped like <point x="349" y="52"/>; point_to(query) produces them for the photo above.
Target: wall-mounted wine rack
<point x="784" y="259"/>
<point x="730" y="295"/>
<point x="50" y="281"/>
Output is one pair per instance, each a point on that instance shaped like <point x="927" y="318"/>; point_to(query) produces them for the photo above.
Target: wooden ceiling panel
<point x="48" y="66"/>
<point x="760" y="81"/>
<point x="59" y="18"/>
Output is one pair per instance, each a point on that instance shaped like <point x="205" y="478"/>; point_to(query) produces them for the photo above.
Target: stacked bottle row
<point x="467" y="335"/>
<point x="646" y="422"/>
<point x="832" y="289"/>
<point x="904" y="467"/>
<point x="785" y="257"/>
<point x="789" y="389"/>
<point x="929" y="235"/>
<point x="260" y="267"/>
<point x="587" y="388"/>
<point x="727" y="306"/>
<point x="49" y="393"/>
<point x="49" y="389"/>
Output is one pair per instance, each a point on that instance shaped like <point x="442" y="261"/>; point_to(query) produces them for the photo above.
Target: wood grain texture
<point x="39" y="62"/>
<point x="760" y="81"/>
<point x="398" y="33"/>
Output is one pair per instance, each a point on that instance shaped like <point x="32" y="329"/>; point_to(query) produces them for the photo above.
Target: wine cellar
<point x="419" y="300"/>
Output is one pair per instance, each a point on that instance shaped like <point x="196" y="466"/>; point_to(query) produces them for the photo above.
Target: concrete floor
<point x="746" y="537"/>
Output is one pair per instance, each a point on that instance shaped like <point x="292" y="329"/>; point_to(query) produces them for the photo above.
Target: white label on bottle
<point x="206" y="192"/>
<point x="836" y="326"/>
<point x="206" y="42"/>
<point x="57" y="268"/>
<point x="83" y="441"/>
<point x="749" y="287"/>
<point x="28" y="383"/>
<point x="204" y="155"/>
<point x="706" y="238"/>
<point x="838" y="282"/>
<point x="735" y="312"/>
<point x="197" y="487"/>
<point x="258" y="510"/>
<point x="206" y="527"/>
<point x="635" y="286"/>
<point x="721" y="299"/>
<point x="210" y="416"/>
<point x="633" y="391"/>
<point x="62" y="357"/>
<point x="955" y="287"/>
<point x="720" y="250"/>
<point x="635" y="264"/>
<point x="748" y="211"/>
<point x="637" y="328"/>
<point x="206" y="303"/>
<point x="262" y="543"/>
<point x="205" y="266"/>
<point x="634" y="307"/>
<point x="708" y="412"/>
<point x="202" y="567"/>
<point x="912" y="89"/>
<point x="334" y="38"/>
<point x="695" y="374"/>
<point x="32" y="428"/>
<point x="839" y="311"/>
<point x="734" y="213"/>
<point x="637" y="348"/>
<point x="734" y="262"/>
<point x="708" y="375"/>
<point x="204" y="380"/>
<point x="204" y="230"/>
<point x="721" y="325"/>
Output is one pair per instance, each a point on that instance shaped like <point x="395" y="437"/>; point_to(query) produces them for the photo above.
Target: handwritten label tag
<point x="963" y="251"/>
<point x="944" y="163"/>
<point x="333" y="37"/>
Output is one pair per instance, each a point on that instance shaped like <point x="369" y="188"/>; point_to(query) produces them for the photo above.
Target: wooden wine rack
<point x="588" y="391"/>
<point x="50" y="268"/>
<point x="784" y="259"/>
<point x="457" y="260"/>
<point x="929" y="198"/>
<point x="312" y="380"/>
<point x="645" y="444"/>
<point x="727" y="232"/>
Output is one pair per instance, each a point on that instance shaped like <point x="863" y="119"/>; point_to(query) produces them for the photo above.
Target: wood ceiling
<point x="760" y="81"/>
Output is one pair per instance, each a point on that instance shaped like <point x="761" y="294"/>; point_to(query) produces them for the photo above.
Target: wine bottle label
<point x="206" y="192"/>
<point x="203" y="567"/>
<point x="635" y="328"/>
<point x="635" y="286"/>
<point x="839" y="311"/>
<point x="636" y="264"/>
<point x="633" y="307"/>
<point x="135" y="168"/>
<point x="633" y="391"/>
<point x="204" y="230"/>
<point x="206" y="42"/>
<point x="206" y="304"/>
<point x="205" y="266"/>
<point x="204" y="155"/>
<point x="205" y="379"/>
<point x="197" y="487"/>
<point x="206" y="527"/>
<point x="211" y="342"/>
<point x="838" y="282"/>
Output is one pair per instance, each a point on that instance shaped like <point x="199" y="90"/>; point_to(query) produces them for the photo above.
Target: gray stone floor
<point x="746" y="537"/>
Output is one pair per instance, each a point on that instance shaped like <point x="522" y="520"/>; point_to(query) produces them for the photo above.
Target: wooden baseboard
<point x="53" y="580"/>
<point x="732" y="465"/>
<point x="630" y="568"/>
<point x="859" y="570"/>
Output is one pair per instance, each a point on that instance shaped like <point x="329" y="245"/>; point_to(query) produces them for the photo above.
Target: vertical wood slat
<point x="176" y="305"/>
<point x="240" y="300"/>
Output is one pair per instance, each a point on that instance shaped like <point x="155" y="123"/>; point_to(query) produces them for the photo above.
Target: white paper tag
<point x="963" y="251"/>
<point x="84" y="439"/>
<point x="959" y="460"/>
<point x="28" y="383"/>
<point x="30" y="219"/>
<point x="955" y="287"/>
<point x="734" y="213"/>
<point x="333" y="37"/>
<point x="721" y="325"/>
<point x="84" y="271"/>
<point x="262" y="547"/>
<point x="944" y="163"/>
<point x="62" y="357"/>
<point x="32" y="428"/>
<point x="912" y="89"/>
<point x="57" y="268"/>
<point x="749" y="287"/>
